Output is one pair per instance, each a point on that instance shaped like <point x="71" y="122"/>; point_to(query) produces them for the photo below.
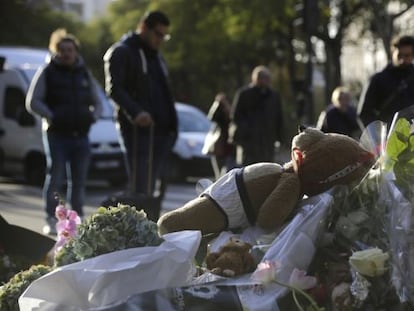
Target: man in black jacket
<point x="257" y="119"/>
<point x="391" y="89"/>
<point x="136" y="79"/>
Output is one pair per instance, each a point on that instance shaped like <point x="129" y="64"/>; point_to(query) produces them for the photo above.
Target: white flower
<point x="299" y="279"/>
<point x="349" y="225"/>
<point x="369" y="262"/>
<point x="266" y="271"/>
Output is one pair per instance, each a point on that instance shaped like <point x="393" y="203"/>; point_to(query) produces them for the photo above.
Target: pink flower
<point x="66" y="226"/>
<point x="299" y="279"/>
<point x="60" y="225"/>
<point x="266" y="271"/>
<point x="73" y="215"/>
<point x="59" y="244"/>
<point x="61" y="212"/>
<point x="71" y="226"/>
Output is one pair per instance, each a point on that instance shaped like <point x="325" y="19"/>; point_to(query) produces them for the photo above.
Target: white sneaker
<point x="50" y="227"/>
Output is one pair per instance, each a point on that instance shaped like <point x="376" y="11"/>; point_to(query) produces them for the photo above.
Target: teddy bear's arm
<point x="281" y="201"/>
<point x="211" y="259"/>
<point x="198" y="214"/>
<point x="249" y="263"/>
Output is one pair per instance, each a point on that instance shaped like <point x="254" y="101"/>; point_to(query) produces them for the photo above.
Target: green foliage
<point x="94" y="46"/>
<point x="400" y="155"/>
<point x="215" y="44"/>
<point x="39" y="22"/>
<point x="12" y="290"/>
<point x="109" y="230"/>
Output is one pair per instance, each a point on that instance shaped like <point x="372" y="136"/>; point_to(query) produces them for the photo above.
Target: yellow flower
<point x="369" y="262"/>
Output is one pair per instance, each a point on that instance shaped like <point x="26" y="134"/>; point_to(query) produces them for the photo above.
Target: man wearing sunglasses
<point x="136" y="78"/>
<point x="391" y="89"/>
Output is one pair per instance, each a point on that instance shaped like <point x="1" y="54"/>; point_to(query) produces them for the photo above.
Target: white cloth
<point x="225" y="193"/>
<point x="113" y="277"/>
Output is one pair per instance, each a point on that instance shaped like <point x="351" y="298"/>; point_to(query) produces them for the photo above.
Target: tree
<point x="335" y="18"/>
<point x="38" y="19"/>
<point x="382" y="24"/>
<point x="215" y="44"/>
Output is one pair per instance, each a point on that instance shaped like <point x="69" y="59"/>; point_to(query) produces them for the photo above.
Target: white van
<point x="21" y="147"/>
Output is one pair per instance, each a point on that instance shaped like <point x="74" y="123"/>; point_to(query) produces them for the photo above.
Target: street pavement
<point x="23" y="205"/>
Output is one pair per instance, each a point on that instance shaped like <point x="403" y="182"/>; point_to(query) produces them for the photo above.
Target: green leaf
<point x="397" y="142"/>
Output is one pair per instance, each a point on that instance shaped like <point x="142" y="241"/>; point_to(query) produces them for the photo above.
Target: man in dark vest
<point x="64" y="94"/>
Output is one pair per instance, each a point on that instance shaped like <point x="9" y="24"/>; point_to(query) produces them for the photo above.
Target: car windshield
<point x="192" y="121"/>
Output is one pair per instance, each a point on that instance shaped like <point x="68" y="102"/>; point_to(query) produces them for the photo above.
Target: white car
<point x="188" y="159"/>
<point x="21" y="147"/>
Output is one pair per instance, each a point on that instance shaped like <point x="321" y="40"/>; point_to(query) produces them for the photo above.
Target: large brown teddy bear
<point x="264" y="194"/>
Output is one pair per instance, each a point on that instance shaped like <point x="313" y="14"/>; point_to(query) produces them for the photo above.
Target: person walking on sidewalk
<point x="137" y="80"/>
<point x="222" y="152"/>
<point x="391" y="89"/>
<point x="257" y="119"/>
<point x="65" y="95"/>
<point x="340" y="116"/>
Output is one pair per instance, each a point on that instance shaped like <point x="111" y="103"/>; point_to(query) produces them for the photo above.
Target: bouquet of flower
<point x="400" y="159"/>
<point x="369" y="262"/>
<point x="354" y="266"/>
<point x="11" y="291"/>
<point x="107" y="230"/>
<point x="10" y="264"/>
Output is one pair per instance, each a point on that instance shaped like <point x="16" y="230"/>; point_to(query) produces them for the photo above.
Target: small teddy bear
<point x="266" y="194"/>
<point x="232" y="259"/>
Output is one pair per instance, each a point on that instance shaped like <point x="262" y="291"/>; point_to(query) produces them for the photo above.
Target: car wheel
<point x="35" y="170"/>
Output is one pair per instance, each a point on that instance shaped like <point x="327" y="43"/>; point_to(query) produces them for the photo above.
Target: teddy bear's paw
<point x="216" y="270"/>
<point x="229" y="272"/>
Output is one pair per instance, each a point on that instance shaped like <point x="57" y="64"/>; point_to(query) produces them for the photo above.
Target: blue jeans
<point x="66" y="156"/>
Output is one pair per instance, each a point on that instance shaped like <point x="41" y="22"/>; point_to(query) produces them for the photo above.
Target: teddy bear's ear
<point x="297" y="157"/>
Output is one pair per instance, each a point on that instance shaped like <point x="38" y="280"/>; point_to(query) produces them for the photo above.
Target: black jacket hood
<point x="133" y="40"/>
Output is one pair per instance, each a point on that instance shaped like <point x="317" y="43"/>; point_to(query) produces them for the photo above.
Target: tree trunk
<point x="333" y="71"/>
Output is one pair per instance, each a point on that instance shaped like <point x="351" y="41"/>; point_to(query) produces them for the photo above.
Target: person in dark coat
<point x="136" y="79"/>
<point x="340" y="116"/>
<point x="222" y="153"/>
<point x="257" y="119"/>
<point x="391" y="89"/>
